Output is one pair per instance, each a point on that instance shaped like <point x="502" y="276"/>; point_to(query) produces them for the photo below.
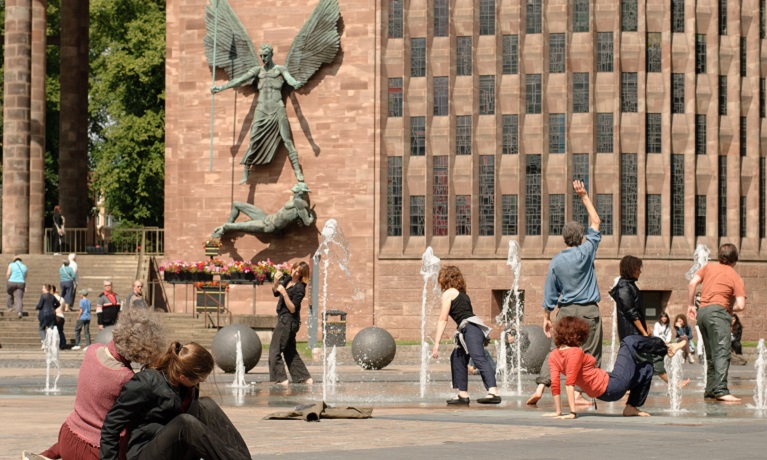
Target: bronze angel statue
<point x="316" y="44"/>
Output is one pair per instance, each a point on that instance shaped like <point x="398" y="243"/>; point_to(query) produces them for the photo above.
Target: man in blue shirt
<point x="571" y="285"/>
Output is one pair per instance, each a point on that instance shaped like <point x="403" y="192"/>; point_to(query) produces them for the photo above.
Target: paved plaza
<point x="406" y="426"/>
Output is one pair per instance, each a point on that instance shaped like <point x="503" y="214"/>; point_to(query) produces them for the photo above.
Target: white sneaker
<point x="76" y="347"/>
<point x="30" y="456"/>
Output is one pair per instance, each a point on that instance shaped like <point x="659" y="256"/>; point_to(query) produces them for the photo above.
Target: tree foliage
<point x="127" y="107"/>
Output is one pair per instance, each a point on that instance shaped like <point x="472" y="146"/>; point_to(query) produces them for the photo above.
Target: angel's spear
<point x="213" y="83"/>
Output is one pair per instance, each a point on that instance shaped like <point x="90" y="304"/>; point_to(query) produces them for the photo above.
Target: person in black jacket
<point x="291" y="291"/>
<point x="46" y="308"/>
<point x="168" y="419"/>
<point x="628" y="300"/>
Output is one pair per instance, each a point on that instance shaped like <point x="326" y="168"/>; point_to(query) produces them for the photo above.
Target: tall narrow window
<point x="463" y="135"/>
<point x="677" y="195"/>
<point x="722" y="189"/>
<point x="604" y="133"/>
<point x="417" y="57"/>
<point x="440" y="96"/>
<point x="486" y="94"/>
<point x="487" y="195"/>
<point x="677" y="16"/>
<point x="629" y="194"/>
<point x="605" y="211"/>
<point x="762" y="27"/>
<point x="418" y="136"/>
<point x="654" y="215"/>
<point x="629" y="15"/>
<point x="722" y="17"/>
<point x="556" y="214"/>
<point x="581" y="173"/>
<point x="487" y="17"/>
<point x="743" y="137"/>
<point x="556" y="133"/>
<point x="700" y="53"/>
<point x="654" y="133"/>
<point x="677" y="93"/>
<point x="700" y="134"/>
<point x="533" y="17"/>
<point x="441" y="18"/>
<point x="604" y="51"/>
<point x="581" y="92"/>
<point x="628" y="92"/>
<point x="700" y="215"/>
<point x="722" y="94"/>
<point x="742" y="217"/>
<point x="510" y="134"/>
<point x="395" y="18"/>
<point x="509" y="212"/>
<point x="395" y="97"/>
<point x="533" y="93"/>
<point x="654" y="52"/>
<point x="762" y="196"/>
<point x="417" y="215"/>
<point x="556" y="53"/>
<point x="440" y="196"/>
<point x="394" y="197"/>
<point x="463" y="214"/>
<point x="580" y="15"/>
<point x="463" y="56"/>
<point x="510" y="54"/>
<point x="533" y="195"/>
<point x="743" y="56"/>
<point x="762" y="91"/>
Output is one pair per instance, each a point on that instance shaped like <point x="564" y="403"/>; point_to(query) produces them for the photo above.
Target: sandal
<point x="490" y="399"/>
<point x="459" y="401"/>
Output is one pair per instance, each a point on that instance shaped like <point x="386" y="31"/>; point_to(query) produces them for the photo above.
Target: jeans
<point x="284" y="345"/>
<point x="203" y="432"/>
<point x="68" y="292"/>
<point x="80" y="325"/>
<point x="593" y="344"/>
<point x="459" y="359"/>
<point x="633" y="369"/>
<point x="714" y="323"/>
<point x="16" y="296"/>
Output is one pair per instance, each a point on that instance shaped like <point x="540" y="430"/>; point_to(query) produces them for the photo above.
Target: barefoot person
<point x="631" y="373"/>
<point x="470" y="338"/>
<point x="720" y="284"/>
<point x="571" y="285"/>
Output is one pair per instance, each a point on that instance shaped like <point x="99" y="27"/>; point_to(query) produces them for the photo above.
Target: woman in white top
<point x="662" y="328"/>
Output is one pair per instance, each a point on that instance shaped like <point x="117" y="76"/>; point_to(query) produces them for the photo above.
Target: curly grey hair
<point x="140" y="335"/>
<point x="573" y="232"/>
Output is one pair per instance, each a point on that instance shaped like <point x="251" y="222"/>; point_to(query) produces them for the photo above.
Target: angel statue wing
<point x="234" y="52"/>
<point x="317" y="43"/>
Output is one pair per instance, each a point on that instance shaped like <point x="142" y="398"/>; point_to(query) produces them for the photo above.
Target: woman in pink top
<point x="632" y="370"/>
<point x="138" y="337"/>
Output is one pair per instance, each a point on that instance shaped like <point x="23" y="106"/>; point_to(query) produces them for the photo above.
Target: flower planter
<point x="201" y="276"/>
<point x="171" y="277"/>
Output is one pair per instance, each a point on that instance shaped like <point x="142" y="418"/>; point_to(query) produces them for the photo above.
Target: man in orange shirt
<point x="721" y="283"/>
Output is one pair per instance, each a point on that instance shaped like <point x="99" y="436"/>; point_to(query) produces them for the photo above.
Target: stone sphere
<point x="535" y="345"/>
<point x="224" y="347"/>
<point x="104" y="336"/>
<point x="373" y="348"/>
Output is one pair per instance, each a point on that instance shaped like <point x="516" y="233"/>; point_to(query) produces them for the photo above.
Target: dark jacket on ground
<point x="147" y="403"/>
<point x="629" y="303"/>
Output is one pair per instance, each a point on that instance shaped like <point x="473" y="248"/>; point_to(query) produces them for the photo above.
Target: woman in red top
<point x="632" y="370"/>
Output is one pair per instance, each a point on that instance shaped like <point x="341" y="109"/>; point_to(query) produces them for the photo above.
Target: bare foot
<point x="581" y="401"/>
<point x="283" y="383"/>
<point x="536" y="396"/>
<point x="728" y="398"/>
<point x="684" y="383"/>
<point x="676" y="346"/>
<point x="309" y="381"/>
<point x="631" y="411"/>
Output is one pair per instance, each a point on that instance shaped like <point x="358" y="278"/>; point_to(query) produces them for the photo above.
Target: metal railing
<point x="110" y="240"/>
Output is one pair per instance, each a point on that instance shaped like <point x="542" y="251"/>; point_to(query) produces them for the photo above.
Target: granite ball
<point x="373" y="348"/>
<point x="535" y="346"/>
<point x="104" y="336"/>
<point x="224" y="347"/>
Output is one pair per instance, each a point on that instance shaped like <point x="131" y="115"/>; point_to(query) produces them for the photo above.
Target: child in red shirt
<point x="632" y="370"/>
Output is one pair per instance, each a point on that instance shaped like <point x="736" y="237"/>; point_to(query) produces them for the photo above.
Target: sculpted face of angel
<point x="266" y="53"/>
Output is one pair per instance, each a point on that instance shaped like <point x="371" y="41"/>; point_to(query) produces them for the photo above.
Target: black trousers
<point x="203" y="432"/>
<point x="284" y="345"/>
<point x="459" y="360"/>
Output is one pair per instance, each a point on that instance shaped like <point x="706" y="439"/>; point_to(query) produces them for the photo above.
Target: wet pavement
<point x="406" y="426"/>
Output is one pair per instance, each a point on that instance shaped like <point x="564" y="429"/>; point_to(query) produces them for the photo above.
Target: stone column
<point x="73" y="143"/>
<point x="37" y="129"/>
<point x="18" y="32"/>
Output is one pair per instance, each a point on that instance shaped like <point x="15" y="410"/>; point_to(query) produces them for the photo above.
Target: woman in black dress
<point x="470" y="337"/>
<point x="58" y="230"/>
<point x="291" y="291"/>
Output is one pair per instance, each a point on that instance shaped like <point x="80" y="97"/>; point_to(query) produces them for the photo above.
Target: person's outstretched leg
<point x="209" y="413"/>
<point x="459" y="370"/>
<point x="622" y="373"/>
<point x="474" y="338"/>
<point x="186" y="437"/>
<point x="640" y="388"/>
<point x="276" y="364"/>
<point x="296" y="366"/>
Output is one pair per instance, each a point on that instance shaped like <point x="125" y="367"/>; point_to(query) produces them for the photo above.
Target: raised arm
<point x="247" y="76"/>
<point x="580" y="189"/>
<point x="289" y="78"/>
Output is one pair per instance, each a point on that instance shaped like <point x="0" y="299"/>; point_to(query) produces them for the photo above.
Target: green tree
<point x="127" y="107"/>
